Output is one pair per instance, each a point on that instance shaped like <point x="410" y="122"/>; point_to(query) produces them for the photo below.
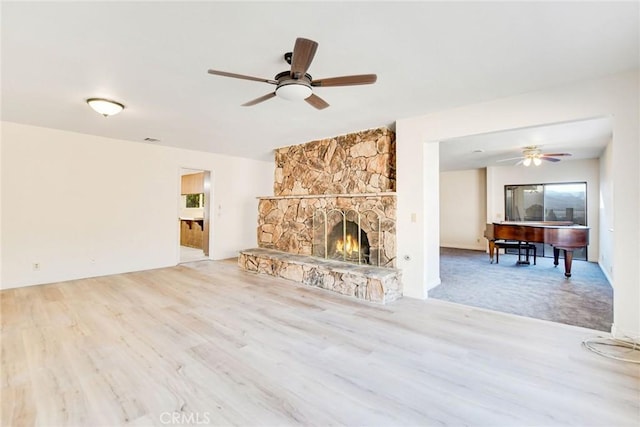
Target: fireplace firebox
<point x="348" y="242"/>
<point x="350" y="235"/>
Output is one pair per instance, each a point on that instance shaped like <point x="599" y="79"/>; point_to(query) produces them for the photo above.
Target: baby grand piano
<point x="561" y="235"/>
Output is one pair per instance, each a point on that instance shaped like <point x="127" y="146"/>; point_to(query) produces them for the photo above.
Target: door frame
<point x="206" y="210"/>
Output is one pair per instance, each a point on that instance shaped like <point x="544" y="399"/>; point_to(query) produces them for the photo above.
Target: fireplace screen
<point x="348" y="236"/>
<point x="348" y="242"/>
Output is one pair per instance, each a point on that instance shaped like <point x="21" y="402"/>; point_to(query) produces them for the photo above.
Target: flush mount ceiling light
<point x="106" y="107"/>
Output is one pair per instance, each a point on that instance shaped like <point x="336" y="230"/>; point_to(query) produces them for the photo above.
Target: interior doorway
<point x="565" y="191"/>
<point x="194" y="214"/>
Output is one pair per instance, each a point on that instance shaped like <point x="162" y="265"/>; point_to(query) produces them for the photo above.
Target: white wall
<point x="615" y="96"/>
<point x="83" y="206"/>
<point x="565" y="171"/>
<point x="605" y="211"/>
<point x="463" y="206"/>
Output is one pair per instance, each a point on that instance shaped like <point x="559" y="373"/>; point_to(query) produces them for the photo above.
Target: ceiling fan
<point x="532" y="154"/>
<point x="296" y="84"/>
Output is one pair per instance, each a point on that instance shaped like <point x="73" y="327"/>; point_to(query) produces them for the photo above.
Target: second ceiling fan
<point x="296" y="84"/>
<point x="533" y="154"/>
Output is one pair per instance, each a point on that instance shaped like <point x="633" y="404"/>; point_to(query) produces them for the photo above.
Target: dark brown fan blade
<point x="550" y="159"/>
<point x="317" y="102"/>
<point x="241" y="76"/>
<point x="303" y="53"/>
<point x="259" y="100"/>
<point x="360" y="79"/>
<point x="555" y="154"/>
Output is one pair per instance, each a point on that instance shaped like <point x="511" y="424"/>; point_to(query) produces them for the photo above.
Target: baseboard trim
<point x="624" y="335"/>
<point x="606" y="274"/>
<point x="432" y="285"/>
<point x="468" y="247"/>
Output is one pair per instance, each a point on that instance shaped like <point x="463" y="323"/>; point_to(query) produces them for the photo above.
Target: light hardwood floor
<point x="188" y="254"/>
<point x="207" y="343"/>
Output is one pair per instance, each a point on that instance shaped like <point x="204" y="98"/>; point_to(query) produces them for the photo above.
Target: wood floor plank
<point x="208" y="342"/>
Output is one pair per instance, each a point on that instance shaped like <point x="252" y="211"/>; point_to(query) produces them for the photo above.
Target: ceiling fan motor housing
<point x="293" y="89"/>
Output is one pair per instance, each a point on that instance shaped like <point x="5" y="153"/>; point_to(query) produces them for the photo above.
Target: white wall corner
<point x="625" y="334"/>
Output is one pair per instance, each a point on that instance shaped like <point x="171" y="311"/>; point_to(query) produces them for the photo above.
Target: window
<point x="548" y="202"/>
<point x="194" y="200"/>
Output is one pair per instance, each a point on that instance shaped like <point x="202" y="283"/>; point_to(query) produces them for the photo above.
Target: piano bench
<point x="505" y="244"/>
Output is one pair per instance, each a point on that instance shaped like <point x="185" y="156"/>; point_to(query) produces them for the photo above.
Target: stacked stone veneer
<point x="354" y="172"/>
<point x="357" y="163"/>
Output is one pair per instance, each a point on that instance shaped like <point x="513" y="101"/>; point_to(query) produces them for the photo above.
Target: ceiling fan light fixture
<point x="106" y="107"/>
<point x="532" y="154"/>
<point x="296" y="84"/>
<point x="293" y="91"/>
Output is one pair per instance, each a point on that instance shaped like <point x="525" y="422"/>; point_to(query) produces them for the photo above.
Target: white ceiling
<point x="429" y="56"/>
<point x="585" y="139"/>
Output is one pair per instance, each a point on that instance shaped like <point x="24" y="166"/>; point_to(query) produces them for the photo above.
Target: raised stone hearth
<point x="375" y="284"/>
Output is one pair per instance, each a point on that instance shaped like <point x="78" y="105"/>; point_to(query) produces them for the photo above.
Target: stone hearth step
<point x="370" y="283"/>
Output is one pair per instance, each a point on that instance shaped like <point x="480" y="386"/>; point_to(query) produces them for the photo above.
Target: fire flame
<point x="349" y="246"/>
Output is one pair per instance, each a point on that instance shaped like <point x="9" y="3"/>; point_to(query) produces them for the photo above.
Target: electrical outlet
<point x="36" y="266"/>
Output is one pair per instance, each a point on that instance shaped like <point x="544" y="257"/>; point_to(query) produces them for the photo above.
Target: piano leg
<point x="568" y="257"/>
<point x="492" y="246"/>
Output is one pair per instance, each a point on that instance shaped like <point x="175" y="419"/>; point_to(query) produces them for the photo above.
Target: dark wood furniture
<point x="561" y="235"/>
<point x="520" y="246"/>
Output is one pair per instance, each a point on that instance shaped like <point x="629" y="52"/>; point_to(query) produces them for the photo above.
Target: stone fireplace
<point x="332" y="220"/>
